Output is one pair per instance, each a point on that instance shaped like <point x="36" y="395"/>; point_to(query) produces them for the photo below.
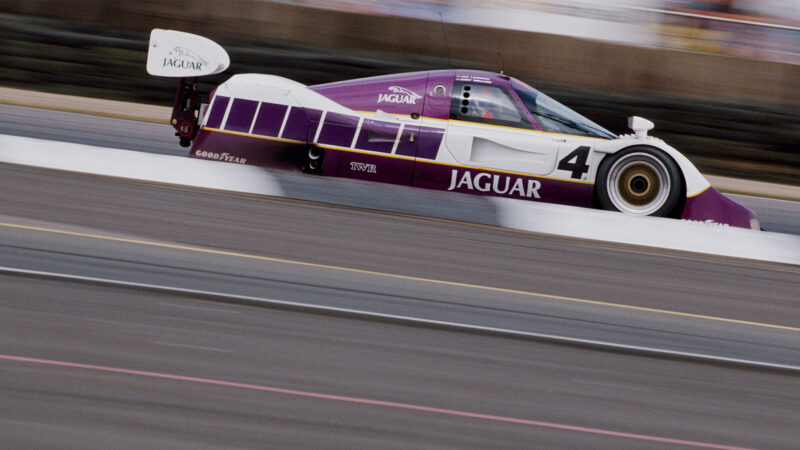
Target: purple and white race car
<point x="454" y="130"/>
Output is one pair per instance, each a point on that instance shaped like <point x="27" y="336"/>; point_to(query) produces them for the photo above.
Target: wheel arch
<point x="693" y="181"/>
<point x="678" y="208"/>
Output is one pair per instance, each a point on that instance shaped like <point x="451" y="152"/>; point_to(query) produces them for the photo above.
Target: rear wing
<point x="176" y="54"/>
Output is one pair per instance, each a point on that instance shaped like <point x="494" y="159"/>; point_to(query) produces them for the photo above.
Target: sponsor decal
<point x="226" y="157"/>
<point x="399" y="95"/>
<point x="183" y="58"/>
<point x="707" y="222"/>
<point x="474" y="79"/>
<point x="496" y="183"/>
<point x="363" y="167"/>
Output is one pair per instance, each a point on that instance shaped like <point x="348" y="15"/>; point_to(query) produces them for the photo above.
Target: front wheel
<point x="641" y="181"/>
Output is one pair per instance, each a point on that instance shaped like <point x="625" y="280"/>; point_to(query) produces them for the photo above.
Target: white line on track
<point x="195" y="347"/>
<point x="651" y="351"/>
<point x="200" y="308"/>
<point x="369" y="402"/>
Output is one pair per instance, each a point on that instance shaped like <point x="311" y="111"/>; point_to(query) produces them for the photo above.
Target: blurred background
<point x="763" y="29"/>
<point x="720" y="78"/>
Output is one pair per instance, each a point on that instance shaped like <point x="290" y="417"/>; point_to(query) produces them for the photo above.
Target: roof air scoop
<point x="178" y="54"/>
<point x="640" y="126"/>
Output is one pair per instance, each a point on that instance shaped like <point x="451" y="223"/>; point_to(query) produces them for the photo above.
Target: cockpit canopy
<point x="500" y="100"/>
<point x="554" y="117"/>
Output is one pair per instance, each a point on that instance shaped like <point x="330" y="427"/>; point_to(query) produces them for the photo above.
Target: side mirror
<point x="640" y="126"/>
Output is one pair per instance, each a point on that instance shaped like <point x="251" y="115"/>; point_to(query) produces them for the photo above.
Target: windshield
<point x="555" y="117"/>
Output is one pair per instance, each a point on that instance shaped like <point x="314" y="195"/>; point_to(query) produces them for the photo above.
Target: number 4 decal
<point x="576" y="162"/>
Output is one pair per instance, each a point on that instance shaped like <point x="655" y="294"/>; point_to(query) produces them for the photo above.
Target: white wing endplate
<point x="178" y="54"/>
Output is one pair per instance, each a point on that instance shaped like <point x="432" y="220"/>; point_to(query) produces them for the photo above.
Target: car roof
<point x="471" y="74"/>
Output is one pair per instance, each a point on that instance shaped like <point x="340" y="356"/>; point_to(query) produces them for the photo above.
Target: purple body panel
<point x="407" y="146"/>
<point x="241" y="115"/>
<point x="501" y="184"/>
<point x="269" y="119"/>
<point x="377" y="136"/>
<point x="429" y="141"/>
<point x="338" y="130"/>
<point x="314" y="119"/>
<point x="218" y="107"/>
<point x="439" y="94"/>
<point x="227" y="147"/>
<point x="362" y="166"/>
<point x="296" y="125"/>
<point x="371" y="94"/>
<point x="712" y="207"/>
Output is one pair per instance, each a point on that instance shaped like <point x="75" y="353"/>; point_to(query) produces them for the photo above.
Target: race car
<point x="455" y="130"/>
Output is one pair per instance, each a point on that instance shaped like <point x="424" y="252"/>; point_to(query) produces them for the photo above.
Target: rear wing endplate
<point x="177" y="54"/>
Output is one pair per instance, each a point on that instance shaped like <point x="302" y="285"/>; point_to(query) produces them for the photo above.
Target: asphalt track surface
<point x="230" y="371"/>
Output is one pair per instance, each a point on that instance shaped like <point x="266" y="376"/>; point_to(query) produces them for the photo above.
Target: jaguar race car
<point x="455" y="130"/>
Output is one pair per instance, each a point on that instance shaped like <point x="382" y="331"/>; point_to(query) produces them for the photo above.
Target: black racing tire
<point x="641" y="181"/>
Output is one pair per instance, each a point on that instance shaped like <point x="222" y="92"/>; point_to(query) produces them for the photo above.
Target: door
<point x="489" y="130"/>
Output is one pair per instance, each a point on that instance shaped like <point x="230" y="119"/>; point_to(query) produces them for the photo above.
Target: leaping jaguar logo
<point x="399" y="95"/>
<point x="186" y="53"/>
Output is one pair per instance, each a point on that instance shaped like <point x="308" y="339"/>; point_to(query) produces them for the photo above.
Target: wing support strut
<point x="186" y="110"/>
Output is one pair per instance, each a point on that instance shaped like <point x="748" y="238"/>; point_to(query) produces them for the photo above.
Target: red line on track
<point x="367" y="401"/>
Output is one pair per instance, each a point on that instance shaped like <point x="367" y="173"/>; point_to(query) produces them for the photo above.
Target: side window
<point x="485" y="103"/>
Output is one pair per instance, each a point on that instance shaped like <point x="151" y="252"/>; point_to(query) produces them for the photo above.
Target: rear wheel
<point x="641" y="181"/>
